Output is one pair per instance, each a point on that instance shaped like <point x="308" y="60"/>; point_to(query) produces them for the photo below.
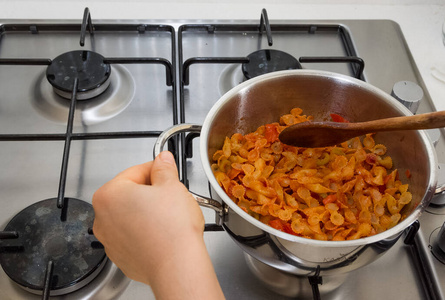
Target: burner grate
<point x="14" y="240"/>
<point x="77" y="82"/>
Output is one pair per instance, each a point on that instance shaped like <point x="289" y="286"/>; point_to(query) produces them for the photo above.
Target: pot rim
<point x="243" y="88"/>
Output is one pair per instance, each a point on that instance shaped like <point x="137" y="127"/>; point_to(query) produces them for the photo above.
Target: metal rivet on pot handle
<point x="159" y="146"/>
<point x="439" y="198"/>
<point x="440" y="188"/>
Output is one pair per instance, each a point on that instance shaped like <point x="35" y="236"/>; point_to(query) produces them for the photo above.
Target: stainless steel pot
<point x="262" y="100"/>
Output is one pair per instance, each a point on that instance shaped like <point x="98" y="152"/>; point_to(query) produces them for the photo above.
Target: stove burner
<point x="87" y="66"/>
<point x="43" y="238"/>
<point x="113" y="101"/>
<point x="266" y="61"/>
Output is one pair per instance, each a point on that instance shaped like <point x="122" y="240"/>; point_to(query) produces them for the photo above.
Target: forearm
<point x="187" y="274"/>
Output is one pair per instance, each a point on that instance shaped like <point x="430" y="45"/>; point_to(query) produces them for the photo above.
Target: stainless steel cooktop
<point x="164" y="73"/>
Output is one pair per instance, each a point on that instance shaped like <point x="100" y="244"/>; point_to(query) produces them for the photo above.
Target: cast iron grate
<point x="87" y="27"/>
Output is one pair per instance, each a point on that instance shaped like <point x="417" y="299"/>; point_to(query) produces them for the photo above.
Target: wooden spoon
<point x="323" y="134"/>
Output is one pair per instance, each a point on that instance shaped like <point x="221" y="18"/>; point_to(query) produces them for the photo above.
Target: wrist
<point x="188" y="271"/>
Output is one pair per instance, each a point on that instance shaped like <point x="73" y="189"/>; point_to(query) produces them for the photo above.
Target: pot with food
<point x="295" y="209"/>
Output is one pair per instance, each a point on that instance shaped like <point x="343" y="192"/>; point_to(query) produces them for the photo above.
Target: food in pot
<point x="335" y="193"/>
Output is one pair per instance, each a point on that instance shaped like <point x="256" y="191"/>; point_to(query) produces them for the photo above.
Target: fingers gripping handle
<point x="159" y="146"/>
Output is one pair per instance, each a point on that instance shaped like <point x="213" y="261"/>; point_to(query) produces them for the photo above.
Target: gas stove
<point x="57" y="147"/>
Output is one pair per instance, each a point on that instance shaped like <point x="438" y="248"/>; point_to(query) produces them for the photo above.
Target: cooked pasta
<point x="344" y="192"/>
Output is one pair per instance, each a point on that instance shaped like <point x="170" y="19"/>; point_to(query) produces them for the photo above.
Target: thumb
<point x="164" y="169"/>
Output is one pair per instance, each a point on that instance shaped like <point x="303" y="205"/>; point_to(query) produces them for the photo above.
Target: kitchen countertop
<point x="421" y="23"/>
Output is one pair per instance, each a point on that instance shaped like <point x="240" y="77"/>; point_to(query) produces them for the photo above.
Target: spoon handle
<point x="421" y="121"/>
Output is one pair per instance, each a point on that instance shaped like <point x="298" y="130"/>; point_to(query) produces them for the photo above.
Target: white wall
<point x="218" y="9"/>
<point x="396" y="2"/>
<point x="380" y="2"/>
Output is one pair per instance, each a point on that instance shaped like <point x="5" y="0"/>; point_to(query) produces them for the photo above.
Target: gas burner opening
<point x="89" y="67"/>
<point x="268" y="60"/>
<point x="42" y="237"/>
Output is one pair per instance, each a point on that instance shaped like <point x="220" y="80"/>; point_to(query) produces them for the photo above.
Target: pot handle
<point x="159" y="146"/>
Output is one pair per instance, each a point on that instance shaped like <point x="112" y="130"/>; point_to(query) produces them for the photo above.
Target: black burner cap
<point x="268" y="60"/>
<point x="44" y="237"/>
<point x="87" y="66"/>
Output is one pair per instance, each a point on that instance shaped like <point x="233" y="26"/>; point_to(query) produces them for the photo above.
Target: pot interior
<point x="264" y="99"/>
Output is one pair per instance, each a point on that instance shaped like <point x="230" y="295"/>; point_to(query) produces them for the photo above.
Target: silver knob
<point x="408" y="93"/>
<point x="441" y="238"/>
<point x="438" y="245"/>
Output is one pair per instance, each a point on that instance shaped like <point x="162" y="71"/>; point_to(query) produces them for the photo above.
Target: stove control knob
<point x="438" y="247"/>
<point x="441" y="238"/>
<point x="408" y="93"/>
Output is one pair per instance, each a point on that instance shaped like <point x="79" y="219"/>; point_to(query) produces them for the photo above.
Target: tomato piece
<point x="281" y="226"/>
<point x="371" y="158"/>
<point x="288" y="228"/>
<point x="271" y="133"/>
<point x="330" y="199"/>
<point x="233" y="173"/>
<point x="408" y="173"/>
<point x="277" y="224"/>
<point x="382" y="189"/>
<point x="338" y="118"/>
<point x="386" y="178"/>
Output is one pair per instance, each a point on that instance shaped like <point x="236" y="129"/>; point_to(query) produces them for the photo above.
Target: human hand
<point x="152" y="228"/>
